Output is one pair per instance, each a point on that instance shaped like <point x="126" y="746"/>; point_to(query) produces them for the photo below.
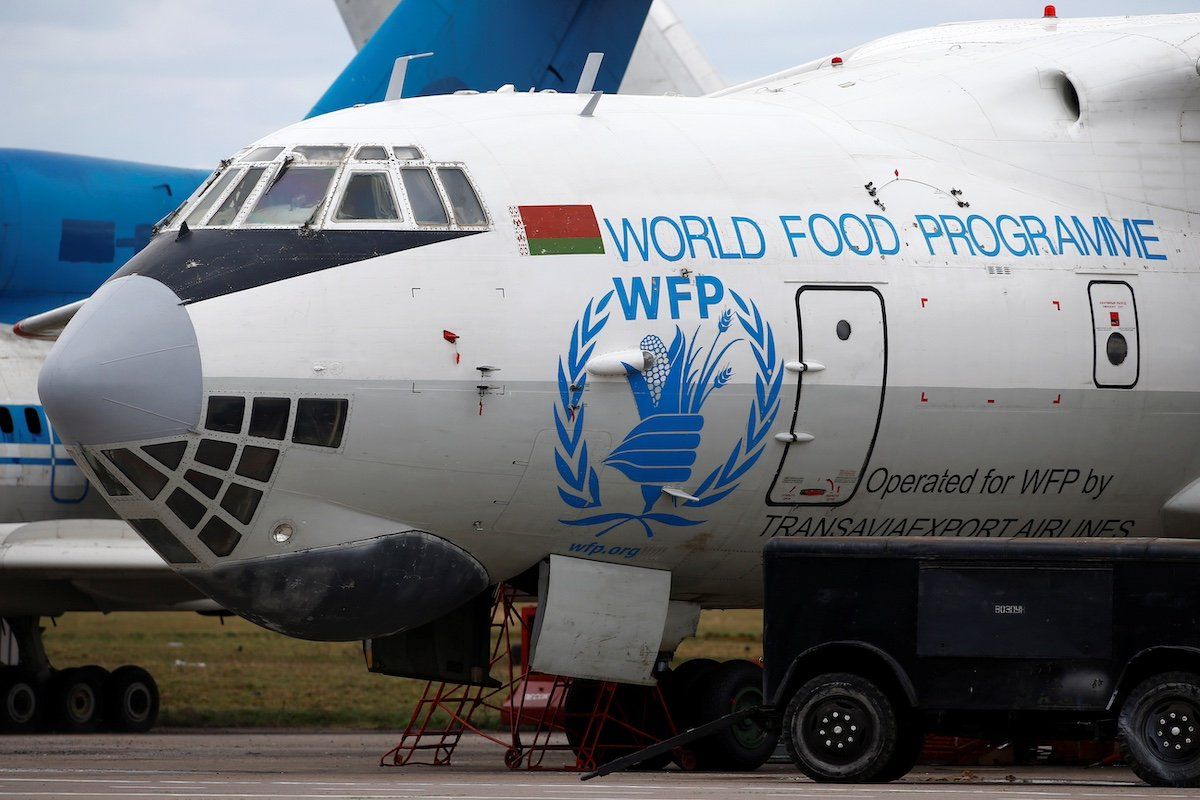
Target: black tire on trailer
<point x="909" y="744"/>
<point x="842" y="728"/>
<point x="131" y="700"/>
<point x="732" y="686"/>
<point x="20" y="701"/>
<point x="74" y="699"/>
<point x="1159" y="729"/>
<point x="637" y="705"/>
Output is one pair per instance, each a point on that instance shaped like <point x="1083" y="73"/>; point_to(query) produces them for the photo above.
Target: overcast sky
<point x="186" y="82"/>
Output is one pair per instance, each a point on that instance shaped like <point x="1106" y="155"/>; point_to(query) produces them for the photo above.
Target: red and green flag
<point x="561" y="230"/>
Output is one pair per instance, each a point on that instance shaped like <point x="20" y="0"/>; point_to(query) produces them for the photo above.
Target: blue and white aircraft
<point x="67" y="222"/>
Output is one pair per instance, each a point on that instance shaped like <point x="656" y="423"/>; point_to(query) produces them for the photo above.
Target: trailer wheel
<point x="909" y="744"/>
<point x="842" y="728"/>
<point x="1159" y="729"/>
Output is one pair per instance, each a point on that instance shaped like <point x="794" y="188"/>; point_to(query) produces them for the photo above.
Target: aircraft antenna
<point x="592" y="102"/>
<point x="587" y="78"/>
<point x="395" y="89"/>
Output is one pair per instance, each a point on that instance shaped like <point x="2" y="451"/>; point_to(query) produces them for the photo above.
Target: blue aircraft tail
<point x="483" y="44"/>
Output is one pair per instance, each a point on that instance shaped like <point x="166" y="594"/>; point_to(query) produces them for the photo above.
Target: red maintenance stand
<point x="578" y="724"/>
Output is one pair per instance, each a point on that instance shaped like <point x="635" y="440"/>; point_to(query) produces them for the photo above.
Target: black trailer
<point x="870" y="644"/>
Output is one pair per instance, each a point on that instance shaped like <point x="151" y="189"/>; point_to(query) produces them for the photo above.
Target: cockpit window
<point x="409" y="153"/>
<point x="319" y="421"/>
<point x="319" y="152"/>
<point x="372" y="153"/>
<point x="467" y="210"/>
<point x="110" y="483"/>
<point x="423" y="196"/>
<point x="368" y="196"/>
<point x="262" y="154"/>
<point x="212" y="196"/>
<point x="293" y="197"/>
<point x="237" y="198"/>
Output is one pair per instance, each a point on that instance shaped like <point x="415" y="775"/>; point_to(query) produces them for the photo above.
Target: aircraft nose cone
<point x="126" y="368"/>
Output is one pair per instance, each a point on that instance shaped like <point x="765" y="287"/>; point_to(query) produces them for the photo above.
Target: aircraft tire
<point x="728" y="687"/>
<point x="21" y="701"/>
<point x="635" y="705"/>
<point x="842" y="728"/>
<point x="75" y="699"/>
<point x="1155" y="729"/>
<point x="678" y="688"/>
<point x="131" y="700"/>
<point x="678" y="684"/>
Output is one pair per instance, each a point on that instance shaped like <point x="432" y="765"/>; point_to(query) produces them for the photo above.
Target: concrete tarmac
<point x="268" y="764"/>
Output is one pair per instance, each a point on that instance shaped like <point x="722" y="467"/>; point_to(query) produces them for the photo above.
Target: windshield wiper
<point x="287" y="162"/>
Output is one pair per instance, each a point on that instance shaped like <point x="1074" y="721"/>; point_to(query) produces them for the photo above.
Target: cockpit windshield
<point x="262" y="154"/>
<point x="201" y="209"/>
<point x="368" y="195"/>
<point x="330" y="186"/>
<point x="293" y="197"/>
<point x="319" y="152"/>
<point x="237" y="198"/>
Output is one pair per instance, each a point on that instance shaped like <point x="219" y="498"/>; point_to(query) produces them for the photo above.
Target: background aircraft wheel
<point x="677" y="683"/>
<point x="841" y="728"/>
<point x="679" y="687"/>
<point x="130" y="700"/>
<point x="731" y="686"/>
<point x="1159" y="729"/>
<point x="74" y="699"/>
<point x="20" y="700"/>
<point x="633" y="707"/>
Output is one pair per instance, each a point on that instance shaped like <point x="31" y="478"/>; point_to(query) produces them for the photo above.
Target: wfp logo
<point x="660" y="452"/>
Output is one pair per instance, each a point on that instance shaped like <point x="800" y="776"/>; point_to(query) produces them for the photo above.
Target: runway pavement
<point x="240" y="764"/>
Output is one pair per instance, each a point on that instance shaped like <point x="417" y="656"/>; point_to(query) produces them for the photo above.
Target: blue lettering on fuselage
<point x="1030" y="235"/>
<point x="743" y="239"/>
<point x="641" y="298"/>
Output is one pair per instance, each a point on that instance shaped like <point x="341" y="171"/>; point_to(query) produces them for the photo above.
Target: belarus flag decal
<point x="558" y="230"/>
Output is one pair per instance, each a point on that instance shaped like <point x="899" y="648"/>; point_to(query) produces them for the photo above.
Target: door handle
<point x="804" y="366"/>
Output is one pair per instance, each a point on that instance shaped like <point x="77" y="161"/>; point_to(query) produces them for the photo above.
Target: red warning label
<point x="1114" y="319"/>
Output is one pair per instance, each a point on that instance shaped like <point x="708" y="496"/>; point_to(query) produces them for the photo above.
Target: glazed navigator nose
<point x="126" y="368"/>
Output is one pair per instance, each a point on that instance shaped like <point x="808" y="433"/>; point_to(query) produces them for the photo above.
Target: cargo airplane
<point x="606" y="347"/>
<point x="67" y="221"/>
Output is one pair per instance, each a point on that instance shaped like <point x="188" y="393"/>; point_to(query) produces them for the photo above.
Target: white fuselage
<point x="923" y="293"/>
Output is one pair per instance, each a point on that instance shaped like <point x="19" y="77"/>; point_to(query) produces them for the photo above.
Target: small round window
<point x="1117" y="348"/>
<point x="843" y="330"/>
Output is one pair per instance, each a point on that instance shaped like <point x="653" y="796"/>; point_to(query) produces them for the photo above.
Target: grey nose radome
<point x="126" y="368"/>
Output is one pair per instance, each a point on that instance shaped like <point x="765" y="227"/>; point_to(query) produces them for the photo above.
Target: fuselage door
<point x="842" y="372"/>
<point x="1116" y="351"/>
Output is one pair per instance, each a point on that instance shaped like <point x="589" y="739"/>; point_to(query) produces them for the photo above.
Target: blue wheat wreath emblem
<point x="661" y="450"/>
